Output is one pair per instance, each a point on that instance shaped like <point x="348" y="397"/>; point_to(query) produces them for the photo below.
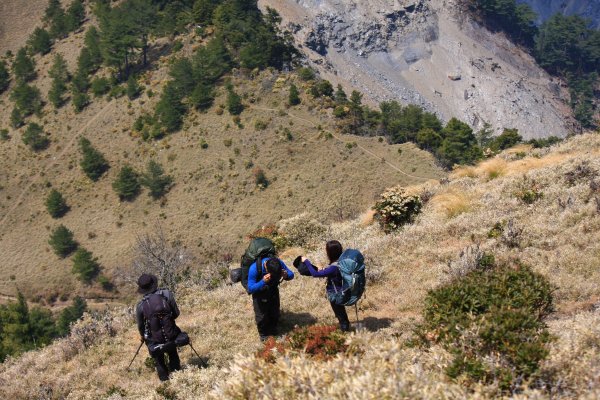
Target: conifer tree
<point x="170" y="109"/>
<point x="85" y="265"/>
<point x="92" y="43"/>
<point x="56" y="204"/>
<point x="54" y="8"/>
<point x="60" y="75"/>
<point x="155" y="180"/>
<point x="61" y="240"/>
<point x="294" y="98"/>
<point x="23" y="66"/>
<point x="234" y="101"/>
<point x="58" y="24"/>
<point x="127" y="184"/>
<point x="340" y="96"/>
<point x="27" y="99"/>
<point x="4" y="77"/>
<point x="40" y="41"/>
<point x="85" y="64"/>
<point x="93" y="163"/>
<point x="16" y="118"/>
<point x="202" y="96"/>
<point x="69" y="315"/>
<point x="133" y="89"/>
<point x="75" y="15"/>
<point x="35" y="138"/>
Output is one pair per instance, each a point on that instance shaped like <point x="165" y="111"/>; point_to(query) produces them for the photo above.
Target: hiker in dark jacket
<point x="158" y="344"/>
<point x="334" y="250"/>
<point x="263" y="284"/>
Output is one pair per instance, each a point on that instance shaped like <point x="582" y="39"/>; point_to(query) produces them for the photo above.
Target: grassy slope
<point x="214" y="203"/>
<point x="560" y="238"/>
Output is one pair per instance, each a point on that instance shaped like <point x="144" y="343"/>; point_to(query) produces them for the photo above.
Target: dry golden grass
<point x="451" y="202"/>
<point x="558" y="237"/>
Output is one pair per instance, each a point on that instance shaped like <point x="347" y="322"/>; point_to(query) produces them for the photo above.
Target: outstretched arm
<point x="323" y="273"/>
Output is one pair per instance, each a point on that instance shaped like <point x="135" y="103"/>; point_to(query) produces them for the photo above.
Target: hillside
<point x="557" y="234"/>
<point x="589" y="9"/>
<point x="432" y="54"/>
<point x="214" y="203"/>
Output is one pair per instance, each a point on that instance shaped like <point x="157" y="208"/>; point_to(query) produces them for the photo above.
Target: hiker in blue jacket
<point x="263" y="284"/>
<point x="334" y="250"/>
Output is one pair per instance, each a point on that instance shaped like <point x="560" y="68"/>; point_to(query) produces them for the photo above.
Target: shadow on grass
<point x="289" y="320"/>
<point x="373" y="324"/>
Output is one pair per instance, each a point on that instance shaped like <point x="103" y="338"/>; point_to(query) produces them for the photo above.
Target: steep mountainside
<point x="558" y="235"/>
<point x="586" y="8"/>
<point x="427" y="52"/>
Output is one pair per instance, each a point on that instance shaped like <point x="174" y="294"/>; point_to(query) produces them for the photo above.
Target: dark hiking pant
<point x="341" y="315"/>
<point x="266" y="313"/>
<point x="161" y="365"/>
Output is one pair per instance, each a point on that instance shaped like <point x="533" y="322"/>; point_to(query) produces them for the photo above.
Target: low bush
<point x="395" y="208"/>
<point x="321" y="342"/>
<point x="492" y="322"/>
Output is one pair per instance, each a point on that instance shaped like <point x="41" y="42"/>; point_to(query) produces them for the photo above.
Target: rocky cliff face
<point x="586" y="8"/>
<point x="426" y="52"/>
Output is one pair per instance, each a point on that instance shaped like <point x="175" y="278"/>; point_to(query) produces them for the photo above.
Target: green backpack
<point x="258" y="249"/>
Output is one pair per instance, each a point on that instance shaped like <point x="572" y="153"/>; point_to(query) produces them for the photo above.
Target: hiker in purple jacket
<point x="334" y="250"/>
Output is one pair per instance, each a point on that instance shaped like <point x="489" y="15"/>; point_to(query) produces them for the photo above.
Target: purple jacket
<point x="331" y="272"/>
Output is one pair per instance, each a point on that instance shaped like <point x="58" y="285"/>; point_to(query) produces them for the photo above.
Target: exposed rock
<point x="408" y="49"/>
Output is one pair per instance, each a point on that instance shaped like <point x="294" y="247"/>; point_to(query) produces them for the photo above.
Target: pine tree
<point x="16" y="118"/>
<point x="35" y="138"/>
<point x="58" y="24"/>
<point x="340" y="96"/>
<point x="52" y="10"/>
<point x="60" y="75"/>
<point x="170" y="109"/>
<point x="15" y="327"/>
<point x="92" y="43"/>
<point x="23" y="66"/>
<point x="133" y="89"/>
<point x="85" y="64"/>
<point x="127" y="184"/>
<point x="202" y="96"/>
<point x="234" y="101"/>
<point x="85" y="265"/>
<point x="294" y="98"/>
<point x="155" y="180"/>
<point x="56" y="204"/>
<point x="69" y="315"/>
<point x="93" y="163"/>
<point x="4" y="77"/>
<point x="75" y="15"/>
<point x="459" y="145"/>
<point x="80" y="100"/>
<point x="27" y="99"/>
<point x="40" y="41"/>
<point x="61" y="240"/>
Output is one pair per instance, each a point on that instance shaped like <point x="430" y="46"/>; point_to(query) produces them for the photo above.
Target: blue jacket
<point x="256" y="284"/>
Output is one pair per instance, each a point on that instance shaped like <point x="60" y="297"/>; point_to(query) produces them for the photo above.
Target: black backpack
<point x="160" y="324"/>
<point x="258" y="250"/>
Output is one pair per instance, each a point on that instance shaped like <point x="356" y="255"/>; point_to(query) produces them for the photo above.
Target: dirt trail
<point x="58" y="157"/>
<point x="338" y="138"/>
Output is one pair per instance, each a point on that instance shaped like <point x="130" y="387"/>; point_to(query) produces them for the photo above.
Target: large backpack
<point x="352" y="268"/>
<point x="160" y="324"/>
<point x="258" y="250"/>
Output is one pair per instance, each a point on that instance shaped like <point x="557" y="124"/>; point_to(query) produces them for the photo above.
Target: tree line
<point x="23" y="328"/>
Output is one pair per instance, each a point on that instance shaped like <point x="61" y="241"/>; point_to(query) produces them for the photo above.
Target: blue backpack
<point x="352" y="268"/>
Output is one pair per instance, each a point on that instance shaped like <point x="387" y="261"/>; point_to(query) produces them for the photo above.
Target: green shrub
<point x="234" y="102"/>
<point x="530" y="196"/>
<point x="306" y="74"/>
<point x="70" y="314"/>
<point x="61" y="240"/>
<point x="4" y="136"/>
<point x="294" y="96"/>
<point x="56" y="204"/>
<point x="133" y="88"/>
<point x="491" y="321"/>
<point x="155" y="180"/>
<point x="85" y="265"/>
<point x="35" y="138"/>
<point x="93" y="163"/>
<point x="100" y="86"/>
<point x="260" y="178"/>
<point x="127" y="184"/>
<point x="395" y="208"/>
<point x="4" y="76"/>
<point x="40" y="41"/>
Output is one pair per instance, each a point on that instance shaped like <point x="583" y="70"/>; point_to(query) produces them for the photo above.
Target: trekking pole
<point x="198" y="355"/>
<point x="136" y="353"/>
